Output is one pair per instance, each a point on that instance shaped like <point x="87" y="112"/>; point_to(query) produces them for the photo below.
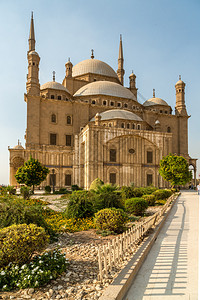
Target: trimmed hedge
<point x="162" y="194"/>
<point x="19" y="242"/>
<point x="151" y="199"/>
<point x="112" y="219"/>
<point x="136" y="206"/>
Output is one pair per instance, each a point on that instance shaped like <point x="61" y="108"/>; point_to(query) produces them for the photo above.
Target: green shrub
<point x="162" y="194"/>
<point x="138" y="192"/>
<point x="149" y="190"/>
<point x="160" y="202"/>
<point x="173" y="190"/>
<point x="11" y="190"/>
<point x="34" y="274"/>
<point x="136" y="206"/>
<point x="75" y="187"/>
<point x="151" y="199"/>
<point x="127" y="192"/>
<point x="95" y="183"/>
<point x="16" y="211"/>
<point x="19" y="242"/>
<point x="111" y="219"/>
<point x="62" y="191"/>
<point x="25" y="192"/>
<point x="80" y="205"/>
<point x="106" y="196"/>
<point x="3" y="190"/>
<point x="47" y="189"/>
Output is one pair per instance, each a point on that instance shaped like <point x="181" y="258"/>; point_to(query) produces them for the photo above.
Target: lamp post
<point x="53" y="172"/>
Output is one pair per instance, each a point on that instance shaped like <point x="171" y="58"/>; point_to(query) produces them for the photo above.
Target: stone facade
<point x="92" y="126"/>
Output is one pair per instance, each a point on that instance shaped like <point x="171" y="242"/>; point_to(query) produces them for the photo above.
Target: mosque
<point x="91" y="125"/>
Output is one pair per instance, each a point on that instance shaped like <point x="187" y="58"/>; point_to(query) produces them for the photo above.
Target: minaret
<point x="180" y="108"/>
<point x="32" y="84"/>
<point x="68" y="67"/>
<point x="31" y="40"/>
<point x="120" y="71"/>
<point x="132" y="85"/>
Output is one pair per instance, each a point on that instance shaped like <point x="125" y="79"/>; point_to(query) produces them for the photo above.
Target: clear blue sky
<point x="161" y="39"/>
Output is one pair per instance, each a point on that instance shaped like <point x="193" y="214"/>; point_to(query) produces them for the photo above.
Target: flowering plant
<point x="39" y="271"/>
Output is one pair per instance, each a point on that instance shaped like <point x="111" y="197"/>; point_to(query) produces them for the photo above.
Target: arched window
<point x="113" y="178"/>
<point x="168" y="129"/>
<point x="68" y="179"/>
<point x="128" y="125"/>
<point x="122" y="125"/>
<point x="69" y="120"/>
<point x="133" y="126"/>
<point x="104" y="102"/>
<point x="111" y="103"/>
<point x="53" y="118"/>
<point x="113" y="156"/>
<point x="93" y="101"/>
<point x="149" y="179"/>
<point x="59" y="97"/>
<point x="125" y="105"/>
<point x="149" y="157"/>
<point x="52" y="96"/>
<point x="138" y="126"/>
<point x="119" y="104"/>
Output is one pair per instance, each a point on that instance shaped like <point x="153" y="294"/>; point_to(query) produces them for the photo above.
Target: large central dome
<point x="93" y="66"/>
<point x="107" y="88"/>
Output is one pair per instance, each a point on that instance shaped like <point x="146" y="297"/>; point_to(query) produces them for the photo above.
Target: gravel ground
<point x="80" y="282"/>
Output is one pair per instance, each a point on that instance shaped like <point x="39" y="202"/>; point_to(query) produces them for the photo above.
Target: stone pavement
<point x="170" y="271"/>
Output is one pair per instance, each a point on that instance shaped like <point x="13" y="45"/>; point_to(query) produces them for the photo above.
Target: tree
<point x="175" y="169"/>
<point x="31" y="173"/>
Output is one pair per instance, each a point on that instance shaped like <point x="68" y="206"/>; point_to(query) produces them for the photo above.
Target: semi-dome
<point x="118" y="114"/>
<point x="93" y="66"/>
<point x="107" y="88"/>
<point x="54" y="85"/>
<point x="19" y="147"/>
<point x="155" y="101"/>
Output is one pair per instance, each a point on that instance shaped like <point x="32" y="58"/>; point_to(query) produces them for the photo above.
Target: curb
<point x="121" y="284"/>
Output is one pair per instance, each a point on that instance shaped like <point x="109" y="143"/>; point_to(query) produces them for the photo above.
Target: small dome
<point x="97" y="115"/>
<point x="33" y="53"/>
<point x="107" y="88"/>
<point x="118" y="114"/>
<point x="180" y="82"/>
<point x="157" y="122"/>
<point x="93" y="66"/>
<point x="155" y="101"/>
<point x="54" y="86"/>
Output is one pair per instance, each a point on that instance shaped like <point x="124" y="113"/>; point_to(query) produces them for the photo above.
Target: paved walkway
<point x="170" y="272"/>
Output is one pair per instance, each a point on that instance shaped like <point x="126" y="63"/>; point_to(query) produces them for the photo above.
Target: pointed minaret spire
<point x="121" y="49"/>
<point x="32" y="84"/>
<point x="154" y="94"/>
<point x="31" y="35"/>
<point x="120" y="71"/>
<point x="54" y="75"/>
<point x="92" y="54"/>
